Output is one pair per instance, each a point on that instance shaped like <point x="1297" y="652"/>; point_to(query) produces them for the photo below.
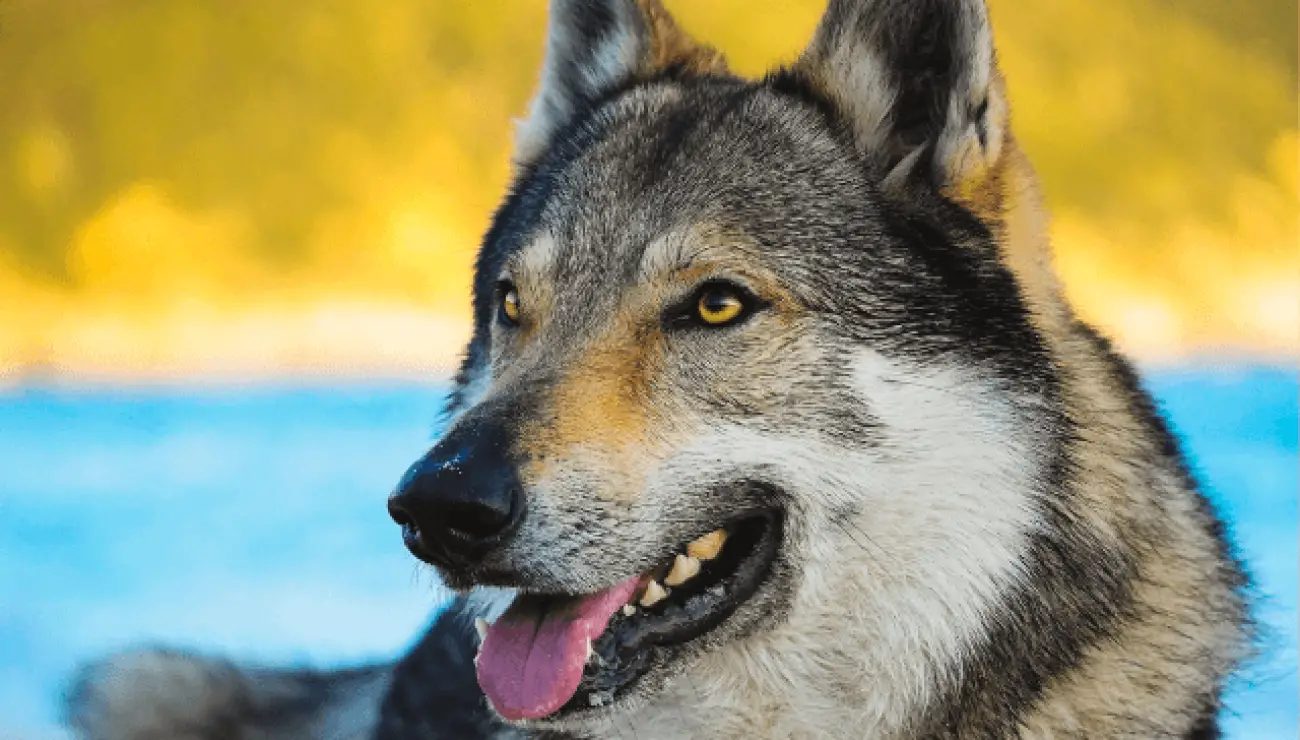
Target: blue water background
<point x="250" y="522"/>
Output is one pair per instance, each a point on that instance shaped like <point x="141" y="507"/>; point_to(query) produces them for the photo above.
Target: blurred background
<point x="235" y="250"/>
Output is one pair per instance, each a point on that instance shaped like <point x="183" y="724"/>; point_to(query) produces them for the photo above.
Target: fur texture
<point x="987" y="530"/>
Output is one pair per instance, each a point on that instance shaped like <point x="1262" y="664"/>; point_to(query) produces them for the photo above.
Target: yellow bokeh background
<point x="252" y="189"/>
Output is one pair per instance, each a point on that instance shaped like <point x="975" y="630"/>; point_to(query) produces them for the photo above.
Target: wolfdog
<point x="774" y="423"/>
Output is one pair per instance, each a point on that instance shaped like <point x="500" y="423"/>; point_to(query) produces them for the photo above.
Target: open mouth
<point x="560" y="654"/>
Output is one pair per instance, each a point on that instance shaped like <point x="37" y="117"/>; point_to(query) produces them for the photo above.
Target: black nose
<point x="462" y="499"/>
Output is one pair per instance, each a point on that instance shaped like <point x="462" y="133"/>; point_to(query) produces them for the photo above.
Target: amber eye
<point x="509" y="304"/>
<point x="719" y="306"/>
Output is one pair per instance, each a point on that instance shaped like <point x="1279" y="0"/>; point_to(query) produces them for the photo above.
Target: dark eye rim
<point x="504" y="288"/>
<point x="685" y="314"/>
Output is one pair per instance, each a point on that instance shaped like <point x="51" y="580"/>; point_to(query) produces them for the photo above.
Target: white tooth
<point x="588" y="652"/>
<point x="684" y="569"/>
<point x="481" y="625"/>
<point x="629" y="610"/>
<point x="708" y="546"/>
<point x="654" y="593"/>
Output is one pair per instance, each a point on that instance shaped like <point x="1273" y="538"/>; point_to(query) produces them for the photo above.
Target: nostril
<point x="399" y="514"/>
<point x="474" y="520"/>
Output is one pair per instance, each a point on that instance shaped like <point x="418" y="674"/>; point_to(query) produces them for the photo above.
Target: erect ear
<point x="918" y="82"/>
<point x="594" y="46"/>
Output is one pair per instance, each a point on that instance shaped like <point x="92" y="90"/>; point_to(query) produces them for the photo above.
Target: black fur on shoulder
<point x="434" y="694"/>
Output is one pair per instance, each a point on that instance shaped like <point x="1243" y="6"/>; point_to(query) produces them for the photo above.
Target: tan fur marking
<point x="976" y="176"/>
<point x="599" y="408"/>
<point x="602" y="406"/>
<point x="671" y="46"/>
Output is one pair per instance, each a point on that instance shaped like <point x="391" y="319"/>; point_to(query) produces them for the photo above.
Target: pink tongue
<point x="531" y="659"/>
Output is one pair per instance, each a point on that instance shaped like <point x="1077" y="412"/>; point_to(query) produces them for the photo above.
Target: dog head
<point x="741" y="348"/>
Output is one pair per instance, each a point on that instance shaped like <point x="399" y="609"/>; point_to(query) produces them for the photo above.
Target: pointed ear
<point x="918" y="83"/>
<point x="594" y="46"/>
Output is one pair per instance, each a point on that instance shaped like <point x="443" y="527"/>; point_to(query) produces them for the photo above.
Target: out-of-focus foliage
<point x="183" y="183"/>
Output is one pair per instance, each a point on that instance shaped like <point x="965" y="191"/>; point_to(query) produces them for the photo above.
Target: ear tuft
<point x="918" y="82"/>
<point x="594" y="46"/>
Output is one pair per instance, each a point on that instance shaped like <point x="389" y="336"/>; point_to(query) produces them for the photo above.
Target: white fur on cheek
<point x="906" y="546"/>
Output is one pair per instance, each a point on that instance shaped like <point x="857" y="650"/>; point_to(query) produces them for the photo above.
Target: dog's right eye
<point x="719" y="306"/>
<point x="508" y="300"/>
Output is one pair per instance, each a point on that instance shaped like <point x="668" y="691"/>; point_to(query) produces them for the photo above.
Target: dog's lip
<point x="621" y="658"/>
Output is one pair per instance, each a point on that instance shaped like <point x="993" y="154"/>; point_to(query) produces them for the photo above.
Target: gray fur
<point x="160" y="694"/>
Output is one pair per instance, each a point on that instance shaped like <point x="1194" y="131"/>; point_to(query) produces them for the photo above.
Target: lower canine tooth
<point x="654" y="593"/>
<point x="684" y="569"/>
<point x="629" y="610"/>
<point x="481" y="626"/>
<point x="708" y="546"/>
